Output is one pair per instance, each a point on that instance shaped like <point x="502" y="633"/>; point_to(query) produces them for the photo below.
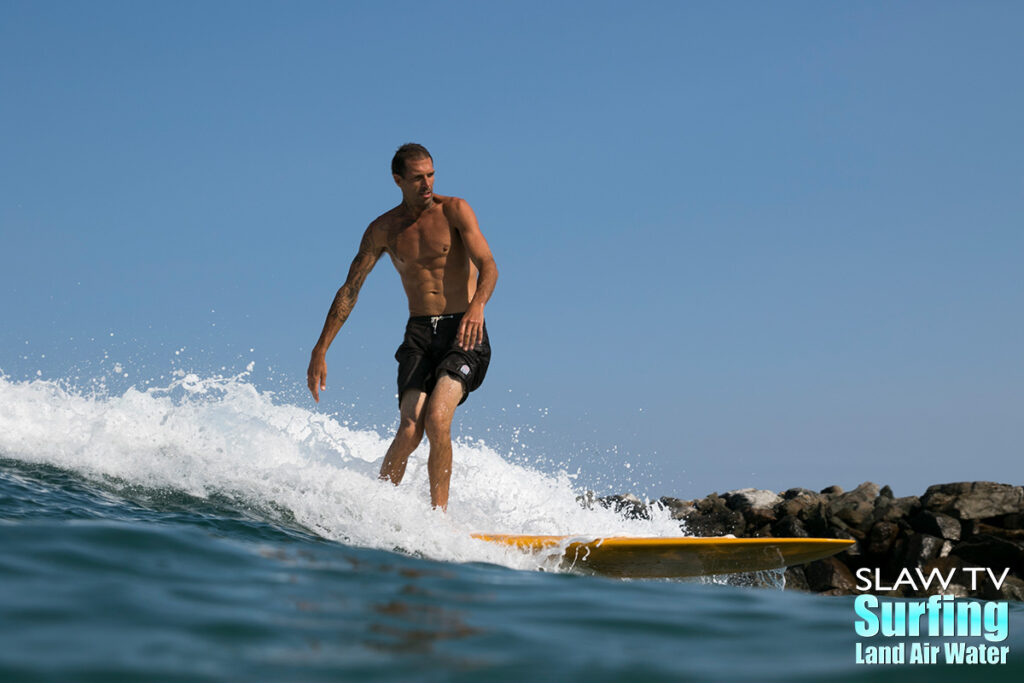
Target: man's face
<point x="418" y="182"/>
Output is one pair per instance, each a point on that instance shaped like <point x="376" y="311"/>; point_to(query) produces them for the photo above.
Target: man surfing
<point x="448" y="274"/>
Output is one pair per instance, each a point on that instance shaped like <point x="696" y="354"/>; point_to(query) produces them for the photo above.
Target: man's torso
<point x="429" y="254"/>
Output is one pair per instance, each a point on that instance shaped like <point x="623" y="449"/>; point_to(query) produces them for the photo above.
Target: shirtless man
<point x="448" y="274"/>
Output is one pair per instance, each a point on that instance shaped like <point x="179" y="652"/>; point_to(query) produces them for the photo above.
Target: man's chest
<point x="424" y="240"/>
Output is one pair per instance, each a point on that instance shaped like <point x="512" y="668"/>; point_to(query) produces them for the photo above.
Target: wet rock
<point x="789" y="527"/>
<point x="677" y="509"/>
<point x="799" y="503"/>
<point x="889" y="509"/>
<point x="796" y="579"/>
<point x="921" y="548"/>
<point x="856" y="508"/>
<point x="892" y="562"/>
<point x="741" y="499"/>
<point x="837" y="525"/>
<point x="969" y="529"/>
<point x="952" y="525"/>
<point x="993" y="552"/>
<point x="756" y="505"/>
<point x="882" y="537"/>
<point x="627" y="505"/>
<point x="974" y="500"/>
<point x="817" y="521"/>
<point x="854" y="552"/>
<point x="710" y="516"/>
<point x="830" y="574"/>
<point x="936" y="524"/>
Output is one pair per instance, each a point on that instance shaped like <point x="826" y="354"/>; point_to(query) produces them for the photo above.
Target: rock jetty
<point x="950" y="529"/>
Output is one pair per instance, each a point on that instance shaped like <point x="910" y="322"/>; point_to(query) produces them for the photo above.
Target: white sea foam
<point x="221" y="435"/>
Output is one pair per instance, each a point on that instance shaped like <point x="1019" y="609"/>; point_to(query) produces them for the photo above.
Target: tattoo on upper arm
<point x="364" y="261"/>
<point x="361" y="266"/>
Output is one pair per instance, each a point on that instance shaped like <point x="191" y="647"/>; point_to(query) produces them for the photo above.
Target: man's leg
<point x="408" y="437"/>
<point x="440" y="410"/>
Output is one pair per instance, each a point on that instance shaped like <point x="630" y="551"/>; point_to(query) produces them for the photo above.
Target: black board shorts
<point x="429" y="350"/>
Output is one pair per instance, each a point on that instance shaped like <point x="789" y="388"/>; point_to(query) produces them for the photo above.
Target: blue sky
<point x="741" y="244"/>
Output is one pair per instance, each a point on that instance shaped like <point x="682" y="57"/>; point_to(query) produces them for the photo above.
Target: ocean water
<point x="206" y="531"/>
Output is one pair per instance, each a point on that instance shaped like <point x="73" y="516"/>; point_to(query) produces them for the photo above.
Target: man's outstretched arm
<point x="367" y="257"/>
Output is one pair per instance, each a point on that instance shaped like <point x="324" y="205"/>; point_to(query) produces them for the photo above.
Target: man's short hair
<point x="408" y="152"/>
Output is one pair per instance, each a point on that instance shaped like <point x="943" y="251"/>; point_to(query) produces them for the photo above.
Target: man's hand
<point x="471" y="330"/>
<point x="316" y="375"/>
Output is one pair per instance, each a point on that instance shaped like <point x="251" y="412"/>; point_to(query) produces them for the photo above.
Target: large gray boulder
<point x="936" y="524"/>
<point x="974" y="499"/>
<point x="856" y="508"/>
<point x="830" y="575"/>
<point x="756" y="505"/>
<point x="889" y="509"/>
<point x="800" y="503"/>
<point x="708" y="516"/>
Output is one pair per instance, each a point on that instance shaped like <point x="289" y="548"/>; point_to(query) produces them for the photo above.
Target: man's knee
<point x="411" y="418"/>
<point x="438" y="423"/>
<point x="411" y="425"/>
<point x="410" y="433"/>
<point x="438" y="420"/>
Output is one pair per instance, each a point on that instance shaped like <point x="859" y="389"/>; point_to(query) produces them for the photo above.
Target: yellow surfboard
<point x="674" y="557"/>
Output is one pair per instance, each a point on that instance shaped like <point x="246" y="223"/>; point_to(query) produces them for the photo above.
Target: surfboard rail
<point x="667" y="557"/>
